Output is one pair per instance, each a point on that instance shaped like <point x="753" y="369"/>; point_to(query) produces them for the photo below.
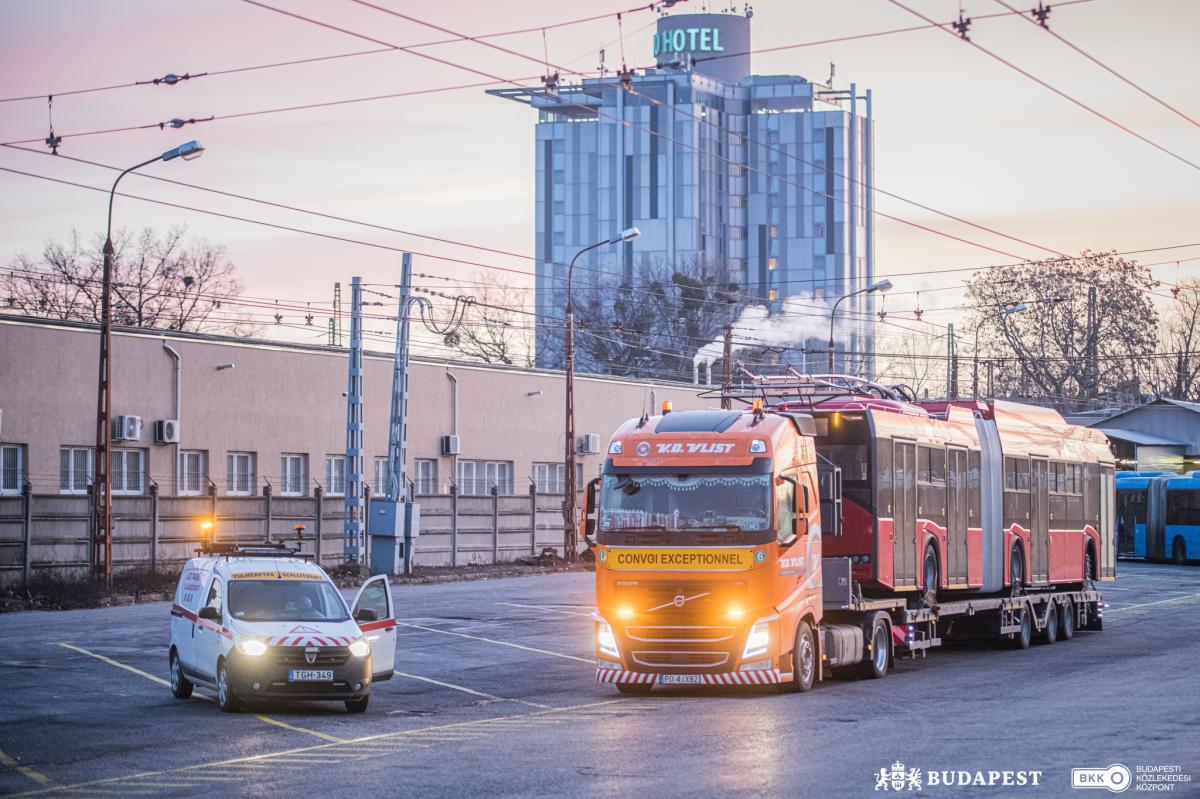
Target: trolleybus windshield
<point x="684" y="502"/>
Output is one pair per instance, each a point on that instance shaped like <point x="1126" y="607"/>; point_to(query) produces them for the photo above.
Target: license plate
<point x="680" y="679"/>
<point x="310" y="675"/>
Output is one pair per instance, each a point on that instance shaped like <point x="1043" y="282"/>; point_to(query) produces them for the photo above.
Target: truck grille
<point x="709" y="635"/>
<point x="680" y="659"/>
<point x="296" y="655"/>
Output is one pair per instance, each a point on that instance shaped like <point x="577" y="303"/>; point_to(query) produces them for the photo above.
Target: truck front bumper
<point x="617" y="675"/>
<point x="266" y="677"/>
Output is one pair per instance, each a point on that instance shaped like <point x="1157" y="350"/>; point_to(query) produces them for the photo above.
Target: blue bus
<point x="1158" y="516"/>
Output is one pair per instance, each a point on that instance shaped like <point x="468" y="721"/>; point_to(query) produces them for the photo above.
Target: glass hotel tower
<point x="768" y="178"/>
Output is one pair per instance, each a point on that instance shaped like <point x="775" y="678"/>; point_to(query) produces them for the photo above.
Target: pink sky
<point x="955" y="130"/>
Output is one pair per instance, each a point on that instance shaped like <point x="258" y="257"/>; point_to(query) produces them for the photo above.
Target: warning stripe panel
<point x="756" y="677"/>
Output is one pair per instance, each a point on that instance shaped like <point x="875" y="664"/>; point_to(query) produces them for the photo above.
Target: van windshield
<point x="286" y="600"/>
<point x="685" y="502"/>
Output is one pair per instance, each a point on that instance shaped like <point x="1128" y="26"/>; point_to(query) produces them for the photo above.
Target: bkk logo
<point x="898" y="778"/>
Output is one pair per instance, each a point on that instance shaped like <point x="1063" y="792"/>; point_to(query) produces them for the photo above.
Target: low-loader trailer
<point x="836" y="524"/>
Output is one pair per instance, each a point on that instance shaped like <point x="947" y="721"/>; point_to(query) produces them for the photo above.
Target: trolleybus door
<point x="904" y="525"/>
<point x="1039" y="520"/>
<point x="956" y="516"/>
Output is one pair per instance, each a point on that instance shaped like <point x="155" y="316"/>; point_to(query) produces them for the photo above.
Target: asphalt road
<point x="495" y="696"/>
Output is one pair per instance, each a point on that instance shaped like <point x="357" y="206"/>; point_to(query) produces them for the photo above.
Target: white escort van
<point x="262" y="623"/>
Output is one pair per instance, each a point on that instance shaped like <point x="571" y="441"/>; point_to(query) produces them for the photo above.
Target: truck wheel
<point x="1016" y="571"/>
<point x="634" y="689"/>
<point x="181" y="686"/>
<point x="1178" y="553"/>
<point x="1022" y="639"/>
<point x="1049" y="633"/>
<point x="930" y="577"/>
<point x="804" y="659"/>
<point x="358" y="705"/>
<point x="876" y="667"/>
<point x="1066" y="620"/>
<point x="226" y="698"/>
<point x="1089" y="570"/>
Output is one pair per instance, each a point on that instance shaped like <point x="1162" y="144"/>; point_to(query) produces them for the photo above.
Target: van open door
<point x="376" y="618"/>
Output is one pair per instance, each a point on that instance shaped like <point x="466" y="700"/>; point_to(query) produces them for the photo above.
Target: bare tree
<point x="1088" y="324"/>
<point x="1176" y="373"/>
<point x="159" y="281"/>
<point x="914" y="359"/>
<point x="496" y="326"/>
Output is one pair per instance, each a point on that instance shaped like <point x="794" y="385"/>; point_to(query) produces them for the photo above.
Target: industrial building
<point x="765" y="180"/>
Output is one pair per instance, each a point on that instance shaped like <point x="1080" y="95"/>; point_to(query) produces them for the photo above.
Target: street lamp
<point x="102" y="485"/>
<point x="1017" y="307"/>
<point x="882" y="285"/>
<point x="569" y="488"/>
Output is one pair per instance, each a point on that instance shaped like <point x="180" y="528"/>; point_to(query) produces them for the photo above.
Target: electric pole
<point x="398" y="419"/>
<point x="352" y="548"/>
<point x="727" y="375"/>
<point x="951" y="364"/>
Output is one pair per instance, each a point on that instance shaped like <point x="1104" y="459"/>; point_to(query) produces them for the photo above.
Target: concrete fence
<point x="49" y="533"/>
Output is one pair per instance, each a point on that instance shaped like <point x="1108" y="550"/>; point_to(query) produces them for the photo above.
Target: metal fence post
<point x="453" y="524"/>
<point x="495" y="524"/>
<point x="26" y="530"/>
<point x="533" y="495"/>
<point x="319" y="499"/>
<point x="212" y="508"/>
<point x="267" y="500"/>
<point x="154" y="528"/>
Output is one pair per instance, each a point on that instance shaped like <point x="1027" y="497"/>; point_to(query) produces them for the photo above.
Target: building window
<point x="192" y="474"/>
<point x="772" y="264"/>
<point x="12" y="468"/>
<point x="240" y="480"/>
<point x="426" y="475"/>
<point x="74" y="469"/>
<point x="381" y="477"/>
<point x="548" y="477"/>
<point x="335" y="474"/>
<point x="293" y="474"/>
<point x="478" y="477"/>
<point x="128" y="471"/>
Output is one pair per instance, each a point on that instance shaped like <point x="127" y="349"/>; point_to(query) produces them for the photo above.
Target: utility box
<point x="387" y="525"/>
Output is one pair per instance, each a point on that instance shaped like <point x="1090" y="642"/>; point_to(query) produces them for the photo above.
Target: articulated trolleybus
<point x="1158" y="516"/>
<point x="837" y="524"/>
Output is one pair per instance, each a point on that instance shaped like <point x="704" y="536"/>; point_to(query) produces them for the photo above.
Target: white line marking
<point x="1148" y="604"/>
<point x="494" y="641"/>
<point x="466" y="690"/>
<point x="543" y="607"/>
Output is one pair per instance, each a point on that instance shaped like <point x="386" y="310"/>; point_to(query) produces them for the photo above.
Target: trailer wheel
<point x="876" y="666"/>
<point x="1066" y="620"/>
<point x="634" y="689"/>
<point x="1049" y="633"/>
<point x="1022" y="639"/>
<point x="804" y="659"/>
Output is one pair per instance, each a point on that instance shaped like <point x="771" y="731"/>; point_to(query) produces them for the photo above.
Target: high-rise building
<point x="766" y="179"/>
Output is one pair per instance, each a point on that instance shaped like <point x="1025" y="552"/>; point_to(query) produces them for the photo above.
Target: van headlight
<point x="606" y="641"/>
<point x="758" y="641"/>
<point x="360" y="648"/>
<point x="252" y="647"/>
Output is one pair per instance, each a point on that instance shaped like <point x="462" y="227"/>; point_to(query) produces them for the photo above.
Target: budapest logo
<point x="897" y="778"/>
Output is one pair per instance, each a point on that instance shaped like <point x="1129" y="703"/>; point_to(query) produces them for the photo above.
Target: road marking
<point x="161" y="681"/>
<point x="466" y="690"/>
<point x="346" y="750"/>
<point x="543" y="607"/>
<point x="38" y="777"/>
<point x="1148" y="604"/>
<point x="494" y="641"/>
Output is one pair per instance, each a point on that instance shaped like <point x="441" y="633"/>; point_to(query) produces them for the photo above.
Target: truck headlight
<point x="360" y="648"/>
<point x="606" y="641"/>
<point x="758" y="641"/>
<point x="252" y="647"/>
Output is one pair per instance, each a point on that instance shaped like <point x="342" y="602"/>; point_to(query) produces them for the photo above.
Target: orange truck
<point x="709" y="530"/>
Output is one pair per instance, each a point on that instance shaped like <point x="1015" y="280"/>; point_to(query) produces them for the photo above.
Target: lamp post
<point x="1008" y="309"/>
<point x="881" y="285"/>
<point x="569" y="488"/>
<point x="102" y="484"/>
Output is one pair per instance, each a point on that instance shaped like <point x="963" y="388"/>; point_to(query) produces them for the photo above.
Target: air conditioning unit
<point x="589" y="444"/>
<point x="166" y="431"/>
<point x="127" y="428"/>
<point x="451" y="445"/>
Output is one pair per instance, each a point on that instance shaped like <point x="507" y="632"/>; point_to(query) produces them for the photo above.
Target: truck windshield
<point x="685" y="502"/>
<point x="286" y="600"/>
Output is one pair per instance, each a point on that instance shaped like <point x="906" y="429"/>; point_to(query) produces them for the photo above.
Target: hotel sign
<point x="681" y="40"/>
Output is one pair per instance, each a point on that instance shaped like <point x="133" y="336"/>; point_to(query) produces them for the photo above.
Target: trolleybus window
<point x="685" y="502"/>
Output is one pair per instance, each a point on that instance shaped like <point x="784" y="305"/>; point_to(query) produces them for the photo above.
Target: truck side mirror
<point x="366" y="614"/>
<point x="589" y="510"/>
<point x="210" y="613"/>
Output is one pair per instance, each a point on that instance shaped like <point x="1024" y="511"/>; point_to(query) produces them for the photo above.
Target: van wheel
<point x="804" y="659"/>
<point x="1066" y="620"/>
<point x="634" y="689"/>
<point x="357" y="705"/>
<point x="226" y="698"/>
<point x="876" y="667"/>
<point x="1049" y="633"/>
<point x="181" y="686"/>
